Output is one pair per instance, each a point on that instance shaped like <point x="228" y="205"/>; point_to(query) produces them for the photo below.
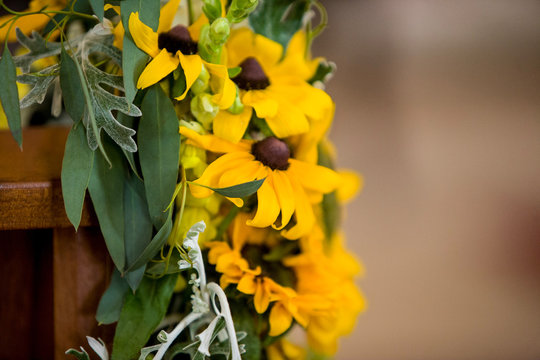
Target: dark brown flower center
<point x="177" y="38"/>
<point x="272" y="152"/>
<point x="252" y="76"/>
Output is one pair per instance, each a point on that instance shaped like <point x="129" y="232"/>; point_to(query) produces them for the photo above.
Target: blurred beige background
<point x="438" y="105"/>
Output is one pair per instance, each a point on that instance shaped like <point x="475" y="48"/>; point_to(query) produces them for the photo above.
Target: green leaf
<point x="76" y="169"/>
<point x="110" y="305"/>
<point x="9" y="96"/>
<point x="129" y="122"/>
<point x="237" y="191"/>
<point x="37" y="47"/>
<point x="159" y="141"/>
<point x="279" y="20"/>
<point x="137" y="226"/>
<point x="97" y="6"/>
<point x="330" y="204"/>
<point x="162" y="267"/>
<point x="80" y="355"/>
<point x="102" y="101"/>
<point x="141" y="314"/>
<point x="72" y="91"/>
<point x="243" y="321"/>
<point x="134" y="59"/>
<point x="233" y="72"/>
<point x="40" y="83"/>
<point x="106" y="189"/>
<point x="157" y="243"/>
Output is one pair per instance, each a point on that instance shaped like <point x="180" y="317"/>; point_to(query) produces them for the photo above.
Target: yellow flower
<point x="326" y="273"/>
<point x="289" y="188"/>
<point x="170" y="47"/>
<point x="275" y="88"/>
<point x="283" y="349"/>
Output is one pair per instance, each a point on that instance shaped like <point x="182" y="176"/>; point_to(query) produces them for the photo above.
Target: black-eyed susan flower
<point x="272" y="85"/>
<point x="290" y="186"/>
<point x="168" y="48"/>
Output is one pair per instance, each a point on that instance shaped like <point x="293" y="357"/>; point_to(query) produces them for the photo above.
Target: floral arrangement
<point x="199" y="130"/>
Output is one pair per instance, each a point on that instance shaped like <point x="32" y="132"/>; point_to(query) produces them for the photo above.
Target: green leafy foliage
<point x="237" y="191"/>
<point x="70" y="83"/>
<point x="110" y="305"/>
<point x="141" y="314"/>
<point x="76" y="169"/>
<point x="37" y="47"/>
<point x="191" y="347"/>
<point x="102" y="101"/>
<point x="81" y="6"/>
<point x="106" y="189"/>
<point x="134" y="59"/>
<point x="243" y="321"/>
<point x="165" y="267"/>
<point x="137" y="226"/>
<point x="330" y="205"/>
<point x="40" y="83"/>
<point x="159" y="141"/>
<point x="9" y="95"/>
<point x="279" y="20"/>
<point x="97" y="6"/>
<point x="157" y="243"/>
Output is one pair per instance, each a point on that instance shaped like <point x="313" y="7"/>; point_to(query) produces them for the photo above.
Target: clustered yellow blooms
<point x="312" y="286"/>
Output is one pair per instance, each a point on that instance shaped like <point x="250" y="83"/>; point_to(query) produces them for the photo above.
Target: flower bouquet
<point x="199" y="130"/>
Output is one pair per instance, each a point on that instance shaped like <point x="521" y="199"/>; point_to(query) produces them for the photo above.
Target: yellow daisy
<point x="168" y="47"/>
<point x="273" y="86"/>
<point x="290" y="188"/>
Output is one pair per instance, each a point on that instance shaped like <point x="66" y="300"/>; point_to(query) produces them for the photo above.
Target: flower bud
<point x="204" y="109"/>
<point x="219" y="31"/>
<point x="212" y="9"/>
<point x="237" y="107"/>
<point x="201" y="84"/>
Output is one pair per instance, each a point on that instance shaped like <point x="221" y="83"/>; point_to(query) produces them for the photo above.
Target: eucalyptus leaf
<point x="72" y="91"/>
<point x="155" y="245"/>
<point x="97" y="6"/>
<point x="237" y="191"/>
<point x="106" y="189"/>
<point x="134" y="59"/>
<point x="9" y="95"/>
<point x="112" y="300"/>
<point x="159" y="141"/>
<point x="279" y="20"/>
<point x="137" y="226"/>
<point x="76" y="169"/>
<point x="141" y="314"/>
<point x="161" y="267"/>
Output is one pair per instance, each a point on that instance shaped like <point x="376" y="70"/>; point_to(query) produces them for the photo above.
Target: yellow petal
<point x="247" y="284"/>
<point x="213" y="143"/>
<point x="145" y="38"/>
<point x="160" y="66"/>
<point x="285" y="196"/>
<point x="280" y="319"/>
<point x="195" y="28"/>
<point x="166" y="15"/>
<point x="261" y="300"/>
<point x="192" y="66"/>
<point x="244" y="43"/>
<point x="350" y="185"/>
<point x="265" y="106"/>
<point x="222" y="86"/>
<point x="116" y="8"/>
<point x="232" y="127"/>
<point x="268" y="205"/>
<point x="314" y="177"/>
<point x="243" y="173"/>
<point x="215" y="170"/>
<point x="305" y="218"/>
<point x="288" y="120"/>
